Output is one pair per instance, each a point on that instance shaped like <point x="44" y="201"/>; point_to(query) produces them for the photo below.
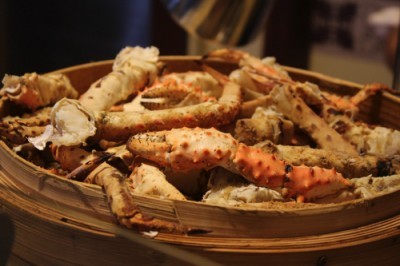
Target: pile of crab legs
<point x="172" y="123"/>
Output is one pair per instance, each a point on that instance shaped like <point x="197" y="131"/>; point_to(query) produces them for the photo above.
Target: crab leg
<point x="265" y="124"/>
<point x="197" y="79"/>
<point x="373" y="140"/>
<point x="378" y="141"/>
<point x="133" y="69"/>
<point x="175" y="90"/>
<point x="118" y="126"/>
<point x="149" y="180"/>
<point x="290" y="97"/>
<point x="184" y="149"/>
<point x="346" y="104"/>
<point x="349" y="166"/>
<point x="170" y="94"/>
<point x="182" y="89"/>
<point x="352" y="137"/>
<point x="122" y="204"/>
<point x="267" y="66"/>
<point x="96" y="169"/>
<point x="33" y="90"/>
<point x="82" y="171"/>
<point x="255" y="85"/>
<point x="298" y="111"/>
<point x="18" y="129"/>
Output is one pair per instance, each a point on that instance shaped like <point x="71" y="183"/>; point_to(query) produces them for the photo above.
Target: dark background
<point x="45" y="35"/>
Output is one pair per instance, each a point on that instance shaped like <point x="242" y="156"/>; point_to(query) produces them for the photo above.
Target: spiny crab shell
<point x="184" y="149"/>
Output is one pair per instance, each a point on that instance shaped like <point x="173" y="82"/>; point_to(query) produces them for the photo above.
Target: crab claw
<point x="181" y="150"/>
<point x="152" y="146"/>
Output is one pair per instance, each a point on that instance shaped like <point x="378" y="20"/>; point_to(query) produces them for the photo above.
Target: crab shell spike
<point x="262" y="169"/>
<point x="306" y="182"/>
<point x="303" y="182"/>
<point x="185" y="149"/>
<point x="181" y="150"/>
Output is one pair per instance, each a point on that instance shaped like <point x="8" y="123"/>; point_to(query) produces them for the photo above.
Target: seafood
<point x="82" y="171"/>
<point x="69" y="130"/>
<point x="294" y="108"/>
<point x="265" y="124"/>
<point x="267" y="66"/>
<point x="118" y="126"/>
<point x="122" y="203"/>
<point x="33" y="90"/>
<point x="139" y="132"/>
<point x="353" y="137"/>
<point x="133" y="69"/>
<point x="337" y="113"/>
<point x="99" y="168"/>
<point x="149" y="180"/>
<point x="365" y="188"/>
<point x="16" y="129"/>
<point x="258" y="77"/>
<point x="202" y="80"/>
<point x="372" y="140"/>
<point x="170" y="94"/>
<point x="349" y="105"/>
<point x="181" y="89"/>
<point x="184" y="149"/>
<point x="290" y="98"/>
<point x="175" y="90"/>
<point x="367" y="139"/>
<point x="227" y="188"/>
<point x="70" y="157"/>
<point x="348" y="165"/>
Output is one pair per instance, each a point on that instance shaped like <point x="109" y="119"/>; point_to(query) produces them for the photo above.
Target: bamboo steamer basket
<point x="60" y="221"/>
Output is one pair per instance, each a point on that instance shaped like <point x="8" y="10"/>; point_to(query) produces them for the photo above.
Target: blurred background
<point x="349" y="39"/>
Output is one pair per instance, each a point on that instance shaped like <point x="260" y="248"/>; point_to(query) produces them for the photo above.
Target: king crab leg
<point x="301" y="114"/>
<point x="254" y="85"/>
<point x="102" y="169"/>
<point x="133" y="69"/>
<point x="373" y="140"/>
<point x="243" y="59"/>
<point x="122" y="203"/>
<point x="351" y="104"/>
<point x="118" y="126"/>
<point x="149" y="180"/>
<point x="184" y="149"/>
<point x="265" y="124"/>
<point x="33" y="90"/>
<point x="170" y="94"/>
<point x="349" y="166"/>
<point x="175" y="90"/>
<point x="17" y="129"/>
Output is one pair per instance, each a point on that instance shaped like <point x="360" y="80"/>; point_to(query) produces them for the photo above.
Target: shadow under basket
<point x="60" y="221"/>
